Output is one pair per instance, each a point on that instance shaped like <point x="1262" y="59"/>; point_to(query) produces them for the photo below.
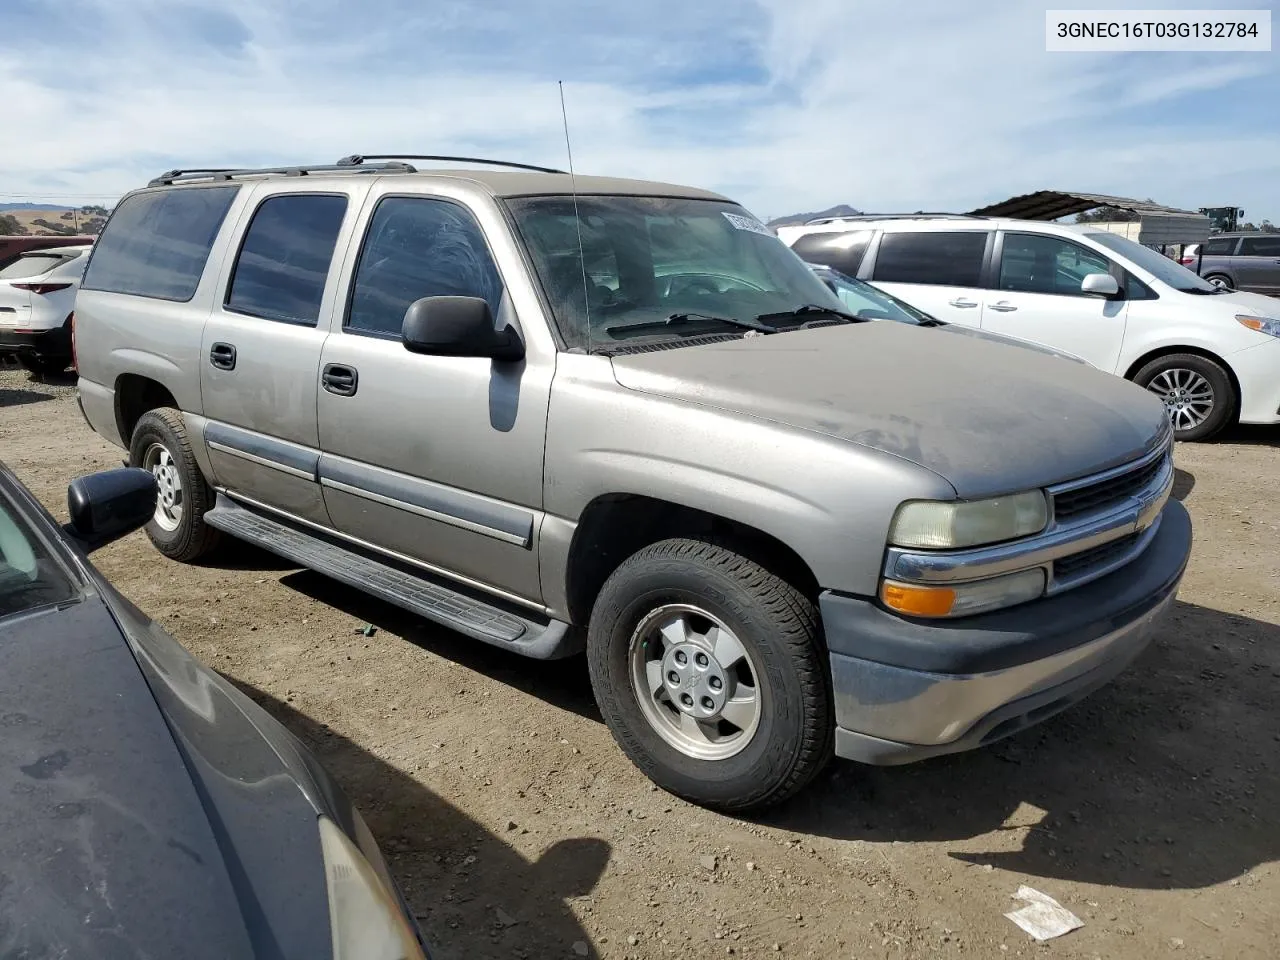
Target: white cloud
<point x="784" y="104"/>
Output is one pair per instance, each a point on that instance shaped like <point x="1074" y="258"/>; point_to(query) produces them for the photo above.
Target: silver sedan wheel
<point x="695" y="682"/>
<point x="1188" y="396"/>
<point x="169" y="499"/>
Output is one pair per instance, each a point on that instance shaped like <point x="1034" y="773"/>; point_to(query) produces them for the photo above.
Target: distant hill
<point x="840" y="210"/>
<point x="34" y="205"/>
<point x="30" y="220"/>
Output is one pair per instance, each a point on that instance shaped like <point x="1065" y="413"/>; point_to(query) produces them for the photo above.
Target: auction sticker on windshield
<point x="748" y="223"/>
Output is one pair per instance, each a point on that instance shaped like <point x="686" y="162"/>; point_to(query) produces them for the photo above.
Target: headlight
<point x="1265" y="325"/>
<point x="364" y="916"/>
<point x="951" y="524"/>
<point x="962" y="599"/>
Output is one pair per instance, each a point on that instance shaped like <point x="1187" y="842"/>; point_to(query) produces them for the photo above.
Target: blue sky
<point x="785" y="105"/>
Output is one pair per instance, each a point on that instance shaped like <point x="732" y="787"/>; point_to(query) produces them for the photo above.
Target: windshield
<point x="29" y="576"/>
<point x="1157" y="264"/>
<point x="868" y="303"/>
<point x="647" y="259"/>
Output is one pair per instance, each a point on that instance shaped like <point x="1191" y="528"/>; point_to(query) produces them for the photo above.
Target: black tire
<point x="1225" y="400"/>
<point x="780" y="629"/>
<point x="43" y="365"/>
<point x="1226" y="281"/>
<point x="192" y="538"/>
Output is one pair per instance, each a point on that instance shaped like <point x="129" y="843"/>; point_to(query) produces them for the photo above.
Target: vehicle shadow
<point x="1166" y="779"/>
<point x="1254" y="435"/>
<point x="1183" y="483"/>
<point x="456" y="875"/>
<point x="564" y="684"/>
<point x="18" y="398"/>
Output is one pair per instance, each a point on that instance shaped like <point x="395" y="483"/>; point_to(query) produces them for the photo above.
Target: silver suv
<point x="623" y="416"/>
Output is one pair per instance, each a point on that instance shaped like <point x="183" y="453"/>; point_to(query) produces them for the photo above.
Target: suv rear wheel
<point x="160" y="445"/>
<point x="1197" y="393"/>
<point x="710" y="674"/>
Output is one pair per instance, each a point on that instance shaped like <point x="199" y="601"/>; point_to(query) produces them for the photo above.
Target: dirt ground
<point x="519" y="830"/>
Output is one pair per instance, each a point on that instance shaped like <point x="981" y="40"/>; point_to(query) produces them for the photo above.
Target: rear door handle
<point x="961" y="302"/>
<point x="1003" y="306"/>
<point x="223" y="356"/>
<point x="340" y="379"/>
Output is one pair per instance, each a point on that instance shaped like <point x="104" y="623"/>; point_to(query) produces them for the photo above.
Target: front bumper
<point x="910" y="689"/>
<point x="39" y="343"/>
<point x="1258" y="371"/>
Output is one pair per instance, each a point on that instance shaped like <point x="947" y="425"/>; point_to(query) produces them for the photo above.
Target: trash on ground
<point x="1043" y="917"/>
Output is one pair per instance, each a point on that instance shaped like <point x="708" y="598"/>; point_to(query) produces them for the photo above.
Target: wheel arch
<point x="135" y="395"/>
<point x="1165" y="351"/>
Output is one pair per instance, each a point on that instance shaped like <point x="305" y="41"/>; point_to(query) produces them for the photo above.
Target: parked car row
<point x="1210" y="353"/>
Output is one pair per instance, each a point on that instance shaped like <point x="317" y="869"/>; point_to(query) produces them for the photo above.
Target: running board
<point x="446" y="605"/>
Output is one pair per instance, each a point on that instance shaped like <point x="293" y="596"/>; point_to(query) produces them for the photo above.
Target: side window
<point x="156" y="244"/>
<point x="414" y="248"/>
<point x="952" y="259"/>
<point x="1032" y="263"/>
<point x="285" y="257"/>
<point x="1221" y="247"/>
<point x="1260" y="246"/>
<point x="839" y="251"/>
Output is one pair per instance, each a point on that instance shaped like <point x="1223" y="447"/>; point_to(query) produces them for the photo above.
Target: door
<point x="260" y="354"/>
<point x="1037" y="296"/>
<point x="437" y="459"/>
<point x="937" y="271"/>
<point x="1257" y="265"/>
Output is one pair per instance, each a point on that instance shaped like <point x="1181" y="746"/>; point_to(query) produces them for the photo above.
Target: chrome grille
<point x="1111" y="488"/>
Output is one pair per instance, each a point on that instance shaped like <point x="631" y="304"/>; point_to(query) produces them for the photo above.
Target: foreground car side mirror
<point x="458" y="327"/>
<point x="1102" y="284"/>
<point x="109" y="505"/>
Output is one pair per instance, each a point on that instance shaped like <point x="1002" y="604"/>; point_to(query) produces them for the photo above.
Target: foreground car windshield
<point x="650" y="258"/>
<point x="29" y="576"/>
<point x="1155" y="263"/>
<point x="868" y="303"/>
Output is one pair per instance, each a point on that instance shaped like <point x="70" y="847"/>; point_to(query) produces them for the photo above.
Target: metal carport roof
<point x="1158" y="224"/>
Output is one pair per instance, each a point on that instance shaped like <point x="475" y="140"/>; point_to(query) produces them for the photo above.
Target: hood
<point x="977" y="334"/>
<point x="1238" y="301"/>
<point x="988" y="417"/>
<point x="119" y="835"/>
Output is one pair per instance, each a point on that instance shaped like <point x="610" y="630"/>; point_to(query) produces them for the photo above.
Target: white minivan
<point x="1212" y="354"/>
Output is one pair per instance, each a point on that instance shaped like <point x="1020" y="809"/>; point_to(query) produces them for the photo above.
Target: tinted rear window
<point x="1223" y="246"/>
<point x="156" y="244"/>
<point x="31" y="265"/>
<point x="840" y="251"/>
<point x="1260" y="247"/>
<point x="952" y="259"/>
<point x="284" y="261"/>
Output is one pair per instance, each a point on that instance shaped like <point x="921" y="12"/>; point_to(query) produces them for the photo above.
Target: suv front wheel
<point x="160" y="445"/>
<point x="709" y="672"/>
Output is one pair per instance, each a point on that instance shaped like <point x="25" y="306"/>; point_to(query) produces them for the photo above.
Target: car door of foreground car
<point x="1257" y="265"/>
<point x="1036" y="296"/>
<point x="260" y="354"/>
<point x="939" y="272"/>
<point x="435" y="458"/>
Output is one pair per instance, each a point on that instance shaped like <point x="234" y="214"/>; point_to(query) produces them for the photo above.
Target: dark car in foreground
<point x="147" y="807"/>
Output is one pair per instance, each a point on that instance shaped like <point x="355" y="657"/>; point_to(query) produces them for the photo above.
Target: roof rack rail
<point x="228" y="173"/>
<point x="919" y="215"/>
<point x="358" y="159"/>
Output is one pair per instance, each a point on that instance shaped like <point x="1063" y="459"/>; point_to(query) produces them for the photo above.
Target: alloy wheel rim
<point x="1188" y="396"/>
<point x="695" y="681"/>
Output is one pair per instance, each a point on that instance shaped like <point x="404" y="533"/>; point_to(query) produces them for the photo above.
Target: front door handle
<point x="223" y="356"/>
<point x="1004" y="306"/>
<point x="961" y="302"/>
<point x="339" y="379"/>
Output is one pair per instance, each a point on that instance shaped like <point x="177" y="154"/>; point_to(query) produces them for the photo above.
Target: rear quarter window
<point x="1222" y="247"/>
<point x="840" y="251"/>
<point x="156" y="244"/>
<point x="946" y="258"/>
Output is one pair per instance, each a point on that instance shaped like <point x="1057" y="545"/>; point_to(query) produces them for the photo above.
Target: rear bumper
<point x="906" y="690"/>
<point x="39" y="343"/>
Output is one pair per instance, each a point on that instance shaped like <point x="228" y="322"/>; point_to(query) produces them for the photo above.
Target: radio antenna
<point x="577" y="218"/>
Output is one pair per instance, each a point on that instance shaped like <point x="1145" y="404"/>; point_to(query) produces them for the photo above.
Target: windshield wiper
<point x="682" y="318"/>
<point x="809" y="308"/>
